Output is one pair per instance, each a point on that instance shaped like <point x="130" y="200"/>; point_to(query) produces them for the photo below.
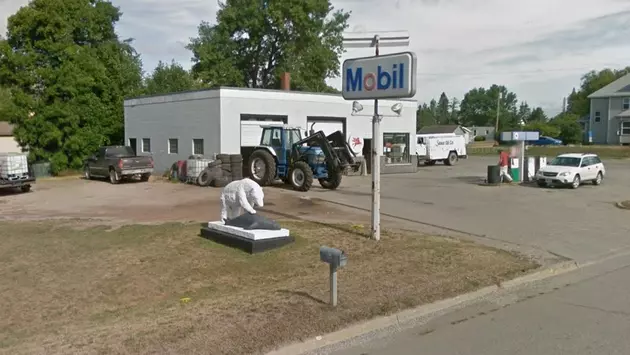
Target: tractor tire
<point x="301" y="176"/>
<point x="224" y="158"/>
<point x="215" y="163"/>
<point x="268" y="175"/>
<point x="452" y="159"/>
<point x="333" y="180"/>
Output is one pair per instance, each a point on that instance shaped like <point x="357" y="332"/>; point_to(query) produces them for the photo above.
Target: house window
<point x="198" y="146"/>
<point x="173" y="146"/>
<point x="146" y="145"/>
<point x="598" y="116"/>
<point x="396" y="148"/>
<point x="626" y="103"/>
<point x="625" y="128"/>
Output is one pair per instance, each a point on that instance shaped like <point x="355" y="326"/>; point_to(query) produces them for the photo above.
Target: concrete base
<point x="250" y="241"/>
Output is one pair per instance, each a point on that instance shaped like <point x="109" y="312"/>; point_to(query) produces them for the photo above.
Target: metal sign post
<point x="372" y="78"/>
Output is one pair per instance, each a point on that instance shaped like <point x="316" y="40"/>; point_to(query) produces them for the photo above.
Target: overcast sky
<point x="537" y="48"/>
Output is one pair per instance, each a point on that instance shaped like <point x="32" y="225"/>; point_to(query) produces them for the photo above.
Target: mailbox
<point x="332" y="256"/>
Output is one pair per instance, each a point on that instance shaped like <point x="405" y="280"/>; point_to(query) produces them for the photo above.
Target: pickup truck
<point x="118" y="163"/>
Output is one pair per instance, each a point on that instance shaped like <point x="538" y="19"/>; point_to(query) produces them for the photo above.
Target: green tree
<point x="578" y="102"/>
<point x="524" y="112"/>
<point x="544" y="128"/>
<point x="254" y="42"/>
<point x="569" y="128"/>
<point x="479" y="107"/>
<point x="453" y="111"/>
<point x="6" y="104"/>
<point x="69" y="73"/>
<point x="443" y="109"/>
<point x="168" y="79"/>
<point x="424" y="117"/>
<point x="537" y="115"/>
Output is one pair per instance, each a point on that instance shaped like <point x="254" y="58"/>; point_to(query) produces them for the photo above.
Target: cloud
<point x="537" y="48"/>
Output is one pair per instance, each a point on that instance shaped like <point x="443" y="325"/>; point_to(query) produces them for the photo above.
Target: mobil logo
<point x="387" y="76"/>
<point x="381" y="80"/>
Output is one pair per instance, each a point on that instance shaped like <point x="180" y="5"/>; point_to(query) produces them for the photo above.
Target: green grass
<point x="608" y="152"/>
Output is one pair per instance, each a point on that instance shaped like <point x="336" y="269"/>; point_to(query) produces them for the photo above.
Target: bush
<point x="480" y="139"/>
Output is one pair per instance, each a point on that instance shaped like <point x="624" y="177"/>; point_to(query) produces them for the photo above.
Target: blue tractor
<point x="283" y="154"/>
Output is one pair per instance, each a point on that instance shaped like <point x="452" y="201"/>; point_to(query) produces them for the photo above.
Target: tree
<point x="443" y="109"/>
<point x="255" y="41"/>
<point x="479" y="107"/>
<point x="68" y="73"/>
<point x="454" y="111"/>
<point x="578" y="102"/>
<point x="168" y="79"/>
<point x="537" y="115"/>
<point x="424" y="117"/>
<point x="6" y="104"/>
<point x="569" y="128"/>
<point x="544" y="128"/>
<point x="524" y="112"/>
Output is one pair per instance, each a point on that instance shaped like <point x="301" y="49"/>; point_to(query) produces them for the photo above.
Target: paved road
<point x="579" y="224"/>
<point x="585" y="312"/>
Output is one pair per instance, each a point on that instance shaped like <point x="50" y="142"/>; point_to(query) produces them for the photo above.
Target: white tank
<point x="13" y="166"/>
<point x="195" y="166"/>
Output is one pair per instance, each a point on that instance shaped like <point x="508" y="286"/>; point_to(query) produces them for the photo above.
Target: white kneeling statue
<point x="239" y="195"/>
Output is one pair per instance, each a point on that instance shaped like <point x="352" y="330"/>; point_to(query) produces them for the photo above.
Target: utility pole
<point x="496" y="124"/>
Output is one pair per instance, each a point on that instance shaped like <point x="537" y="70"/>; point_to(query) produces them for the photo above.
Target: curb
<point x="411" y="316"/>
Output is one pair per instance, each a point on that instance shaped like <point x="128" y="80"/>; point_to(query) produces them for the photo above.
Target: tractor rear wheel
<point x="301" y="176"/>
<point x="333" y="180"/>
<point x="262" y="167"/>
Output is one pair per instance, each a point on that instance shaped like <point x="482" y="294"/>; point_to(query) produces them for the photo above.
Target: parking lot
<point x="580" y="224"/>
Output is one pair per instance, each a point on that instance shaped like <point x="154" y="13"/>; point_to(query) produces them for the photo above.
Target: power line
<point x="539" y="71"/>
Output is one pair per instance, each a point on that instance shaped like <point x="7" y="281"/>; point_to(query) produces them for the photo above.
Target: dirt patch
<point x="156" y="202"/>
<point x="163" y="289"/>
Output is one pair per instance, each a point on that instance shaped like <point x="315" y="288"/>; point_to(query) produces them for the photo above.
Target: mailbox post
<point x="336" y="259"/>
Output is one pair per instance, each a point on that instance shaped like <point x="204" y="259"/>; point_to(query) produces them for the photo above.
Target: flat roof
<point x="215" y="92"/>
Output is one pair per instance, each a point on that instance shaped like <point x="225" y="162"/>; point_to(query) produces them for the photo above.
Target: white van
<point x="448" y="148"/>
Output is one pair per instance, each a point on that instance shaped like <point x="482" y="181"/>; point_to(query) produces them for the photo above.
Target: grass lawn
<point x="163" y="289"/>
<point x="606" y="152"/>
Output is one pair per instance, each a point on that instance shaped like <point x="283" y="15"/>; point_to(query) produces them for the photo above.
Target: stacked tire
<point x="236" y="166"/>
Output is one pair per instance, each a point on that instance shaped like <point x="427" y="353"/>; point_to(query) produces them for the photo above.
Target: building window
<point x="173" y="146"/>
<point x="146" y="145"/>
<point x="598" y="116"/>
<point x="198" y="146"/>
<point x="625" y="128"/>
<point x="626" y="103"/>
<point x="396" y="148"/>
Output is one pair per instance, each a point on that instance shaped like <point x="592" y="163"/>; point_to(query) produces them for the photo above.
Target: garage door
<point x="251" y="131"/>
<point x="327" y="126"/>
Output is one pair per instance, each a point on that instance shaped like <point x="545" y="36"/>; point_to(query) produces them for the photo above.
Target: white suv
<point x="572" y="170"/>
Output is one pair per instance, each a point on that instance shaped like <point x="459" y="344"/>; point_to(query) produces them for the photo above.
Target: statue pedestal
<point x="251" y="241"/>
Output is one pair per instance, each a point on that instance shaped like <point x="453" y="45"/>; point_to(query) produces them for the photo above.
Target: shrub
<point x="480" y="139"/>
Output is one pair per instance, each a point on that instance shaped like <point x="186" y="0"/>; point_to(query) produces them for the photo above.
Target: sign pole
<point x="377" y="149"/>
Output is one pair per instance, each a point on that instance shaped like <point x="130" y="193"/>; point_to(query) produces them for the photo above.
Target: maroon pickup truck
<point x="118" y="163"/>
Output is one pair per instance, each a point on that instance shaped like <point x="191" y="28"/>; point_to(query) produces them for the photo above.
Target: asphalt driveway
<point x="580" y="224"/>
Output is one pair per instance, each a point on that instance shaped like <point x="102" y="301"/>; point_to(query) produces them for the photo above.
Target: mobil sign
<point x="391" y="76"/>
